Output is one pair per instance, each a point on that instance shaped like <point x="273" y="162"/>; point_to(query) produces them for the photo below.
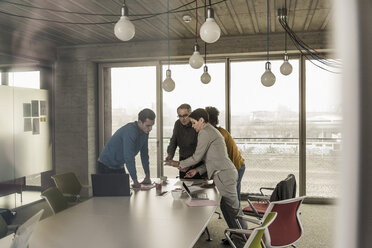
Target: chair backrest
<point x="24" y="231"/>
<point x="286" y="228"/>
<point x="55" y="199"/>
<point x="255" y="238"/>
<point x="285" y="189"/>
<point x="68" y="183"/>
<point x="3" y="227"/>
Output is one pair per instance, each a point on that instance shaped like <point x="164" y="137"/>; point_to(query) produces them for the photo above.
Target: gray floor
<point x="317" y="221"/>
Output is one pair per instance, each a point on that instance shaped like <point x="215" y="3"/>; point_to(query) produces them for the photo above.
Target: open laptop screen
<point x="23" y="233"/>
<point x="110" y="185"/>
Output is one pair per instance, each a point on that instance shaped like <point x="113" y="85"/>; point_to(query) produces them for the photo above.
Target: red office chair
<point x="285" y="189"/>
<point x="286" y="229"/>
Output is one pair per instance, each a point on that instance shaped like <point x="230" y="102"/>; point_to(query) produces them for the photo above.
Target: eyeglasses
<point x="183" y="116"/>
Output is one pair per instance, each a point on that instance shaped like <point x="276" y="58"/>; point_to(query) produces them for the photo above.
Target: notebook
<point x="194" y="196"/>
<point x="24" y="231"/>
<point x="110" y="185"/>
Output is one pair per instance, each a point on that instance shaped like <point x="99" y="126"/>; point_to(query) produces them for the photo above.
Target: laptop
<point x="110" y="185"/>
<point x="194" y="196"/>
<point x="24" y="231"/>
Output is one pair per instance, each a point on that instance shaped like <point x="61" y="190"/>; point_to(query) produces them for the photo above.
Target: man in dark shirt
<point x="185" y="137"/>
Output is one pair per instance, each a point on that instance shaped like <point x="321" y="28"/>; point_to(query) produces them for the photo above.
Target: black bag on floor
<point x="7" y="215"/>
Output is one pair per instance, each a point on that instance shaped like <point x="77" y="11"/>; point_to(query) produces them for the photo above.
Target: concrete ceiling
<point x="235" y="17"/>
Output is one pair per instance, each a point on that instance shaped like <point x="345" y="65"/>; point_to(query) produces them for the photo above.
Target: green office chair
<point x="69" y="185"/>
<point x="254" y="235"/>
<point x="55" y="199"/>
<point x="3" y="227"/>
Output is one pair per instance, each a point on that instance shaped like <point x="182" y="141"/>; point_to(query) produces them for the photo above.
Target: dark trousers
<point x="103" y="169"/>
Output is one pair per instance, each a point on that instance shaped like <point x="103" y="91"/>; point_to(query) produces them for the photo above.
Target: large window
<point x="264" y="123"/>
<point x="264" y="120"/>
<point x="133" y="89"/>
<point x="28" y="79"/>
<point x="323" y="131"/>
<point x="189" y="89"/>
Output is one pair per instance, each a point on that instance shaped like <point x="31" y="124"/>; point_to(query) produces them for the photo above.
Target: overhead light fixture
<point x="268" y="78"/>
<point x="124" y="29"/>
<point x="205" y="77"/>
<point x="196" y="60"/>
<point x="210" y="32"/>
<point x="286" y="67"/>
<point x="168" y="83"/>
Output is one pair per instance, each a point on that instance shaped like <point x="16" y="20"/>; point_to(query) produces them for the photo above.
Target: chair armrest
<point x="249" y="219"/>
<point x="262" y="197"/>
<point x="266" y="188"/>
<point x="240" y="231"/>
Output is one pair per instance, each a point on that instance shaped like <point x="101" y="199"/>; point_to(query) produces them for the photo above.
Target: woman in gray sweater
<point x="211" y="148"/>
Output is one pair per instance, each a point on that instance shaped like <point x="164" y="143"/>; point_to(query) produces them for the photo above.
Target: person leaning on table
<point x="125" y="144"/>
<point x="185" y="137"/>
<point x="211" y="148"/>
<point x="232" y="148"/>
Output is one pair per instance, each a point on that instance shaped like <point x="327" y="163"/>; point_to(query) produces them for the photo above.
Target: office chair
<point x="69" y="185"/>
<point x="3" y="227"/>
<point x="286" y="228"/>
<point x="254" y="235"/>
<point x="285" y="189"/>
<point x="55" y="199"/>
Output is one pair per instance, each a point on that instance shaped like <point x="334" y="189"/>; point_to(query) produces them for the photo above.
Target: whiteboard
<point x="31" y="151"/>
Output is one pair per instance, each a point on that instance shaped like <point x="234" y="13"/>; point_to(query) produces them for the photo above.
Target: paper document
<point x="201" y="203"/>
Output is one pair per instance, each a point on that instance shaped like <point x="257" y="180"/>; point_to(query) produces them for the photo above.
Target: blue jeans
<point x="240" y="176"/>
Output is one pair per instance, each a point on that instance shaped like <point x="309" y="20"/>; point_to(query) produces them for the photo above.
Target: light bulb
<point x="286" y="67"/>
<point x="168" y="83"/>
<point x="210" y="31"/>
<point x="196" y="60"/>
<point x="124" y="29"/>
<point x="205" y="77"/>
<point x="268" y="78"/>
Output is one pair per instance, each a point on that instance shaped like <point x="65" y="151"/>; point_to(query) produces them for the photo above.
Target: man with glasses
<point x="185" y="137"/>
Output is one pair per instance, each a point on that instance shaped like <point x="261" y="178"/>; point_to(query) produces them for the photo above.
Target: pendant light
<point x="168" y="84"/>
<point x="196" y="60"/>
<point x="268" y="78"/>
<point x="205" y="77"/>
<point x="210" y="32"/>
<point x="286" y="67"/>
<point x="124" y="29"/>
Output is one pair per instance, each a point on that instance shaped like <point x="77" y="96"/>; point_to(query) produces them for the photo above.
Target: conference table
<point x="142" y="220"/>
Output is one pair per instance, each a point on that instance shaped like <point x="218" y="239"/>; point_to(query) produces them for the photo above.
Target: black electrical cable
<point x="308" y="50"/>
<point x="145" y="16"/>
<point x="85" y="13"/>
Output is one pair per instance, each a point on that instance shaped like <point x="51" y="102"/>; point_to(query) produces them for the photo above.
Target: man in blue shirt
<point x="125" y="144"/>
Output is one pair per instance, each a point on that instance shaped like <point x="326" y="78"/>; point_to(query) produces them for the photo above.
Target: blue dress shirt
<point x="122" y="148"/>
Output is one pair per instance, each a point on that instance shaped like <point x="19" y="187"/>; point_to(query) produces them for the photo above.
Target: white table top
<point x="142" y="220"/>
